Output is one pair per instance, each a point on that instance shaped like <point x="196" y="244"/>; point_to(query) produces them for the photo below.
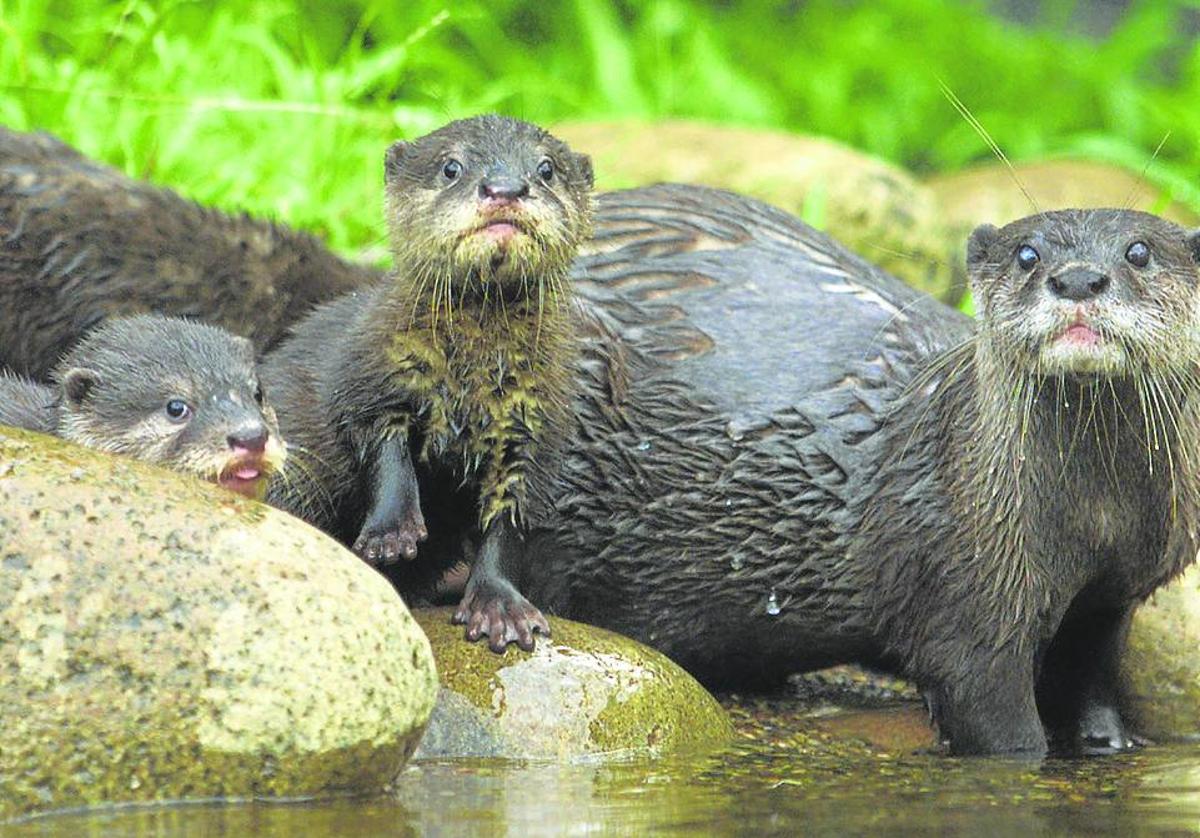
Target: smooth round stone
<point x="583" y="693"/>
<point x="164" y="639"/>
<point x="872" y="207"/>
<point x="1161" y="667"/>
<point x="988" y="193"/>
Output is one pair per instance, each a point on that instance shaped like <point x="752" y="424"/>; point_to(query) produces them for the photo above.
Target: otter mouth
<point x="1079" y="334"/>
<point x="244" y="476"/>
<point x="500" y="228"/>
<point x="1081" y="348"/>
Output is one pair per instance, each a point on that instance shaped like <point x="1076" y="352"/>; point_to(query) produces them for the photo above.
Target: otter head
<point x="486" y="201"/>
<point x="1088" y="292"/>
<point x="172" y="392"/>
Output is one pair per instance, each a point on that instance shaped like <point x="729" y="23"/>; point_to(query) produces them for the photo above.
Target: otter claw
<point x="502" y="618"/>
<point x="387" y="546"/>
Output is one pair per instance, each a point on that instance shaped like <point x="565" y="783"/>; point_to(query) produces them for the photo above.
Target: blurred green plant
<point x="284" y="107"/>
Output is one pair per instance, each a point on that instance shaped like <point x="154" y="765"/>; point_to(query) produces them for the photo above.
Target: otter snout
<point x="250" y="438"/>
<point x="503" y="189"/>
<point x="1078" y="284"/>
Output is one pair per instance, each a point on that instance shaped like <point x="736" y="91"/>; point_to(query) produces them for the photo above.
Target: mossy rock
<point x="1162" y="662"/>
<point x="875" y="209"/>
<point x="989" y="194"/>
<point x="583" y="693"/>
<point x="164" y="639"/>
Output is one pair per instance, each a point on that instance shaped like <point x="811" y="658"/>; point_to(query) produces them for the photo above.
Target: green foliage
<point x="284" y="107"/>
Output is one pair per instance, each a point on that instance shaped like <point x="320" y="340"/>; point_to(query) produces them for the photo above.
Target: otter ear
<point x="1194" y="245"/>
<point x="391" y="160"/>
<point x="78" y="384"/>
<point x="585" y="167"/>
<point x="980" y="242"/>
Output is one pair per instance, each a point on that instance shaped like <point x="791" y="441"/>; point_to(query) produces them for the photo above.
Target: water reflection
<point x="777" y="780"/>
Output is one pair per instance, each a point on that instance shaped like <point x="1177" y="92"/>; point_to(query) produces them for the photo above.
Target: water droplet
<point x="773" y="604"/>
<point x="728" y="502"/>
<point x="1066" y="404"/>
<point x="737" y="563"/>
<point x="644" y="445"/>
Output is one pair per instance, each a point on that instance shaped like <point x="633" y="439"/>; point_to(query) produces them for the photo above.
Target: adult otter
<point x="80" y="242"/>
<point x="180" y="394"/>
<point x="462" y="357"/>
<point x="982" y="520"/>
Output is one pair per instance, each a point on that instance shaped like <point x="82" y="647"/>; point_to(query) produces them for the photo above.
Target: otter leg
<point x="988" y="707"/>
<point x="1078" y="690"/>
<point x="492" y="605"/>
<point x="394" y="523"/>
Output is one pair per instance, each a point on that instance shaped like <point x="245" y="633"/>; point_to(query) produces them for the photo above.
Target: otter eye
<point x="258" y="395"/>
<point x="178" y="410"/>
<point x="1138" y="255"/>
<point x="1027" y="257"/>
<point x="452" y="169"/>
<point x="545" y="170"/>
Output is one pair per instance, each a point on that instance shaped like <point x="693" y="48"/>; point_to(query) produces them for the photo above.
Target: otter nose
<point x="1078" y="284"/>
<point x="250" y="438"/>
<point x="503" y="188"/>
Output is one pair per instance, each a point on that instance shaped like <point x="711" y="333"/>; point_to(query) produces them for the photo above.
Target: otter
<point x="451" y="378"/>
<point x="80" y="242"/>
<point x="977" y="509"/>
<point x="180" y="394"/>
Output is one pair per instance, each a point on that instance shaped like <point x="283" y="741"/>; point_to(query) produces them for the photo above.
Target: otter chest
<point x="469" y="397"/>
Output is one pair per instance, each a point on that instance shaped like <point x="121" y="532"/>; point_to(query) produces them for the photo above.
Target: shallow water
<point x="783" y="776"/>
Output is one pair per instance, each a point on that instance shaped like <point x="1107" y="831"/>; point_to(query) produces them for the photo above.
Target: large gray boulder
<point x="162" y="639"/>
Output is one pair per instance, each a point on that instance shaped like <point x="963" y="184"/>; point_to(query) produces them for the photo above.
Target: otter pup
<point x="980" y="518"/>
<point x="460" y="359"/>
<point x="81" y="242"/>
<point x="169" y="391"/>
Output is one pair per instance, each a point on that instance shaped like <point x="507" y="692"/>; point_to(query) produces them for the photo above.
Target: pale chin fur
<point x="1063" y="358"/>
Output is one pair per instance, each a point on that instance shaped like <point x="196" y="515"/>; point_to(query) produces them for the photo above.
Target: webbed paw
<point x="385" y="543"/>
<point x="502" y="614"/>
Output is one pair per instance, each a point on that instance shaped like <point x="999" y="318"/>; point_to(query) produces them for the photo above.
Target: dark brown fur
<point x="982" y="519"/>
<point x="460" y="361"/>
<point x="80" y="242"/>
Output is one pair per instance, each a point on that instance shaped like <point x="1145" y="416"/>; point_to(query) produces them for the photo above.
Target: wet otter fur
<point x="81" y="242"/>
<point x="461" y="360"/>
<point x="980" y="517"/>
<point x="173" y="392"/>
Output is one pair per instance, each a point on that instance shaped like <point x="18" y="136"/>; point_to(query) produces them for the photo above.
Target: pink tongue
<point x="246" y="474"/>
<point x="1080" y="333"/>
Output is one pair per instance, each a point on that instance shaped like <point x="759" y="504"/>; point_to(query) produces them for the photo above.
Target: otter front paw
<point x="384" y="543"/>
<point x="501" y="613"/>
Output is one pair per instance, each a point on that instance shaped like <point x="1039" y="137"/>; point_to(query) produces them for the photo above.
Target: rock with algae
<point x="164" y="639"/>
<point x="872" y="207"/>
<point x="584" y="693"/>
<point x="1161" y="666"/>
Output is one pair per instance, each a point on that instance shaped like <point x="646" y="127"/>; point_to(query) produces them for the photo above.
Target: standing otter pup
<point x="180" y="394"/>
<point x="462" y="358"/>
<point x="81" y="242"/>
<point x="982" y="519"/>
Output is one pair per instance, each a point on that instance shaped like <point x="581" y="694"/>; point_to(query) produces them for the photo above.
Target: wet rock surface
<point x="874" y="208"/>
<point x="1162" y="663"/>
<point x="583" y="693"/>
<point x="164" y="639"/>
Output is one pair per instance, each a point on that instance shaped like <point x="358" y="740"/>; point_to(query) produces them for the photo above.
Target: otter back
<point x="82" y="243"/>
